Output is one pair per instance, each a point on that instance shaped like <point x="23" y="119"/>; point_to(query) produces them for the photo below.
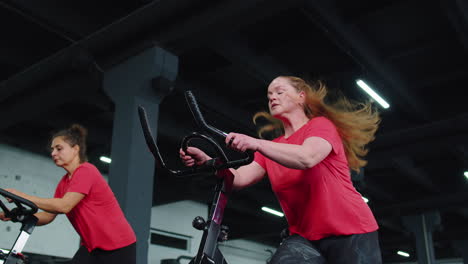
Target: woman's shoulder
<point x="87" y="165"/>
<point x="88" y="168"/>
<point x="321" y="121"/>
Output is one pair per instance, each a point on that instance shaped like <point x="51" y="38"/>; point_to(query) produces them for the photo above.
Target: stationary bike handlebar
<point x="19" y="213"/>
<point x="213" y="230"/>
<point x="218" y="163"/>
<point x="24" y="215"/>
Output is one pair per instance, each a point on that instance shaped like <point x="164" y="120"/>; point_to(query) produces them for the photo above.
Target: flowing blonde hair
<point x="356" y="122"/>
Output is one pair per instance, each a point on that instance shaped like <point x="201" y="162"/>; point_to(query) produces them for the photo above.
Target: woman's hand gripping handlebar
<point x="19" y="213"/>
<point x="211" y="166"/>
<point x="196" y="113"/>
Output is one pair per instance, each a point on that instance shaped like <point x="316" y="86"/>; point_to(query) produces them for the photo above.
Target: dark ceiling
<point x="414" y="53"/>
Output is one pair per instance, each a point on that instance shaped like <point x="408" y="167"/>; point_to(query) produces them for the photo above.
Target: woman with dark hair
<point x="88" y="201"/>
<point x="308" y="166"/>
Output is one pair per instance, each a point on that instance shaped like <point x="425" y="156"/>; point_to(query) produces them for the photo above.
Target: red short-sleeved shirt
<point x="97" y="218"/>
<point x="320" y="201"/>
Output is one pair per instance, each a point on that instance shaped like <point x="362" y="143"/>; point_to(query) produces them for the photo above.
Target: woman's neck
<point x="70" y="168"/>
<point x="291" y="125"/>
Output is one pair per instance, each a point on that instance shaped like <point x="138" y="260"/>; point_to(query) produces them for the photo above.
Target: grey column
<point x="462" y="247"/>
<point x="141" y="80"/>
<point x="421" y="226"/>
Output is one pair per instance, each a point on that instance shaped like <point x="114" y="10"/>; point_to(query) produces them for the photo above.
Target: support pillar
<point x="144" y="79"/>
<point x="422" y="226"/>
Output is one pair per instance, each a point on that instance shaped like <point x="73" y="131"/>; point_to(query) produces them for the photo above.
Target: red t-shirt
<point x="97" y="218"/>
<point x="320" y="201"/>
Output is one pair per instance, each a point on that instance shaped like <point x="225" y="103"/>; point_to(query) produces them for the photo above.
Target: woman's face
<point x="283" y="98"/>
<point x="62" y="153"/>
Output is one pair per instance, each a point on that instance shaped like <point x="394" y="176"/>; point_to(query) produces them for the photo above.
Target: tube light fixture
<point x="402" y="253"/>
<point x="372" y="94"/>
<point x="272" y="211"/>
<point x="105" y="159"/>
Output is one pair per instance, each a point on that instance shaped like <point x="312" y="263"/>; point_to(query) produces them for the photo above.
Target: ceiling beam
<point x="236" y="50"/>
<point x="438" y="135"/>
<point x="406" y="167"/>
<point x="73" y="58"/>
<point x="14" y="59"/>
<point x="43" y="99"/>
<point x="163" y="23"/>
<point x="353" y="43"/>
<point x="457" y="13"/>
<point x="39" y="21"/>
<point x="441" y="79"/>
<point x="442" y="202"/>
<point x="227" y="16"/>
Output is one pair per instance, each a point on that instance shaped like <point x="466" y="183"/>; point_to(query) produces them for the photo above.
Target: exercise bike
<point x="24" y="215"/>
<point x="213" y="230"/>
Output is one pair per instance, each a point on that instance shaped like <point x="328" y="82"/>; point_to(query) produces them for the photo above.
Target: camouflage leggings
<point x="352" y="249"/>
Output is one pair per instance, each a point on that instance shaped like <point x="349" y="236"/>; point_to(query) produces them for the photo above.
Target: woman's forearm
<point x="44" y="218"/>
<point x="299" y="157"/>
<point x="51" y="205"/>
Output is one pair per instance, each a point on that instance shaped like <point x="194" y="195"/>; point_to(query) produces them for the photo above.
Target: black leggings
<point x="125" y="255"/>
<point x="352" y="249"/>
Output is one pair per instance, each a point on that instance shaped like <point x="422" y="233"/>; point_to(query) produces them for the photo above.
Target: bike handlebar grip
<point x="146" y="130"/>
<point x="237" y="163"/>
<point x="150" y="142"/>
<point x="195" y="109"/>
<point x="19" y="201"/>
<point x="195" y="171"/>
<point x="197" y="115"/>
<point x="4" y="208"/>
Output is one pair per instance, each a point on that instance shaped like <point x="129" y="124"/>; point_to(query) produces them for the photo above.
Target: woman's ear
<point x="76" y="148"/>
<point x="302" y="95"/>
<point x="302" y="98"/>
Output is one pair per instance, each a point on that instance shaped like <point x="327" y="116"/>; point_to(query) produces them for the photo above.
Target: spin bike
<point x="24" y="215"/>
<point x="213" y="230"/>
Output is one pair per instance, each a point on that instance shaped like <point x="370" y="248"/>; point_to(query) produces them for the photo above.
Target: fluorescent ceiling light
<point x="105" y="159"/>
<point x="466" y="174"/>
<point x="402" y="253"/>
<point x="372" y="94"/>
<point x="365" y="199"/>
<point x="271" y="211"/>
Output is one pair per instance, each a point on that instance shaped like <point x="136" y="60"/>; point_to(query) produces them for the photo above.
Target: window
<point x="170" y="239"/>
